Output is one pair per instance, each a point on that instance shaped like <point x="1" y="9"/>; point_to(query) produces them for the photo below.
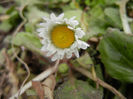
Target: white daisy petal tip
<point x="45" y="18"/>
<point x="60" y="37"/>
<point x="79" y="31"/>
<point x="70" y="27"/>
<point x="55" y="57"/>
<point x="73" y="18"/>
<point x="52" y="16"/>
<point x="61" y="15"/>
<point x="83" y="45"/>
<point x="76" y="53"/>
<point x="68" y="55"/>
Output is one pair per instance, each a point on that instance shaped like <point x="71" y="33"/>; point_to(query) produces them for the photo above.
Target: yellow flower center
<point x="62" y="36"/>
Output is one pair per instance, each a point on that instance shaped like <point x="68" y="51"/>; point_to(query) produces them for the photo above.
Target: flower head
<point x="60" y="37"/>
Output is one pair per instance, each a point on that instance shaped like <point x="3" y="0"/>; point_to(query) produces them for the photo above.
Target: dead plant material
<point x="40" y="77"/>
<point x="38" y="88"/>
<point x="49" y="85"/>
<point x="12" y="77"/>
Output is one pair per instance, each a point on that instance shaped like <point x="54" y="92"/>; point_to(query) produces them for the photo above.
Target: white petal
<point x="66" y="20"/>
<point x="61" y="16"/>
<point x="60" y="53"/>
<point x="55" y="57"/>
<point x="41" y="34"/>
<point x="40" y="29"/>
<point x="75" y="22"/>
<point x="72" y="22"/>
<point x="45" y="18"/>
<point x="73" y="18"/>
<point x="52" y="16"/>
<point x="52" y="50"/>
<point x="74" y="45"/>
<point x="80" y="33"/>
<point x="68" y="55"/>
<point x="50" y="53"/>
<point x="44" y="41"/>
<point x="58" y="22"/>
<point x="62" y="56"/>
<point x="46" y="45"/>
<point x="43" y="24"/>
<point x="70" y="27"/>
<point x="82" y="44"/>
<point x="43" y="48"/>
<point x="76" y="53"/>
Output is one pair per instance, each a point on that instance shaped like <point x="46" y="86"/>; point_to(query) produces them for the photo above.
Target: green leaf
<point x="10" y="10"/>
<point x="14" y="18"/>
<point x="113" y="17"/>
<point x="131" y="25"/>
<point x="35" y="15"/>
<point x="99" y="72"/>
<point x="5" y="26"/>
<point x="2" y="10"/>
<point x="96" y="22"/>
<point x="12" y="21"/>
<point x="27" y="2"/>
<point x="85" y="61"/>
<point x="29" y="27"/>
<point x="80" y="90"/>
<point x="116" y="49"/>
<point x="111" y="2"/>
<point x="27" y="40"/>
<point x="71" y="13"/>
<point x="94" y="2"/>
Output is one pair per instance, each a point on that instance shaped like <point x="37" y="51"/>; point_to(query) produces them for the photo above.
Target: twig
<point x="122" y="6"/>
<point x="99" y="81"/>
<point x="40" y="77"/>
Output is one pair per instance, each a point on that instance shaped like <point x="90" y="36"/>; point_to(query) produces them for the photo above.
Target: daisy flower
<point x="60" y="37"/>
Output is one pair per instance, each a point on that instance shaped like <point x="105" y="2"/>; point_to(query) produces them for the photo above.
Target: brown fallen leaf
<point x="38" y="88"/>
<point x="49" y="85"/>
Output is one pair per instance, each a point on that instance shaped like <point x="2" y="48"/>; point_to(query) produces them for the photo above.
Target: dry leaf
<point x="49" y="85"/>
<point x="38" y="88"/>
